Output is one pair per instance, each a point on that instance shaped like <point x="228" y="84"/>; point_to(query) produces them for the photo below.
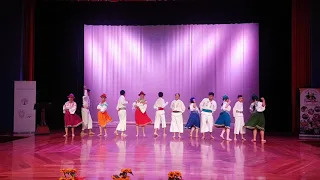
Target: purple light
<point x="189" y="59"/>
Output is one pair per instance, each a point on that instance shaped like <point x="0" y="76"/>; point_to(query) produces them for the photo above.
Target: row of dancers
<point x="201" y="117"/>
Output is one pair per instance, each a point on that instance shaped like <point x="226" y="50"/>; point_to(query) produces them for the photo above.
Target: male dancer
<point x="122" y="113"/>
<point x="85" y="112"/>
<point x="178" y="108"/>
<point x="208" y="106"/>
<point x="238" y="118"/>
<point x="159" y="106"/>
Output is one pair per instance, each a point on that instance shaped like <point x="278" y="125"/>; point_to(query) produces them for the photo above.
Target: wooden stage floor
<point x="42" y="157"/>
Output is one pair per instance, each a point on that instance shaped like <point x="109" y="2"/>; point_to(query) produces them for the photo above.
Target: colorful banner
<point x="309" y="112"/>
<point x="24" y="101"/>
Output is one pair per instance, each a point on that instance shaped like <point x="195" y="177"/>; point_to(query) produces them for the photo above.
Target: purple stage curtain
<point x="188" y="59"/>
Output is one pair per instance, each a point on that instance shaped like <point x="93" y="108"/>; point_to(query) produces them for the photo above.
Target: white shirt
<point x="86" y="100"/>
<point x="178" y="105"/>
<point x="160" y="103"/>
<point x="142" y="104"/>
<point x="209" y="105"/>
<point x="192" y="108"/>
<point x="71" y="106"/>
<point x="258" y="107"/>
<point x="102" y="107"/>
<point x="122" y="102"/>
<point x="238" y="109"/>
<point x="226" y="106"/>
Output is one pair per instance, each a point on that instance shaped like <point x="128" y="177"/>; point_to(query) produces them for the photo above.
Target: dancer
<point x="122" y="113"/>
<point x="71" y="119"/>
<point x="207" y="106"/>
<point x="159" y="106"/>
<point x="257" y="120"/>
<point x="103" y="116"/>
<point x="178" y="108"/>
<point x="85" y="112"/>
<point x="194" y="118"/>
<point x="238" y="118"/>
<point x="224" y="119"/>
<point x="141" y="116"/>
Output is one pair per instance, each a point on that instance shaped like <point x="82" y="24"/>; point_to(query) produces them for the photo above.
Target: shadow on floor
<point x="4" y="139"/>
<point x="315" y="143"/>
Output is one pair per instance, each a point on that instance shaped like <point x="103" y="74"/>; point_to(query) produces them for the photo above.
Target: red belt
<point x="160" y="108"/>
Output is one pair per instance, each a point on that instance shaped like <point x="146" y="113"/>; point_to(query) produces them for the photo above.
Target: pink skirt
<point x="71" y="120"/>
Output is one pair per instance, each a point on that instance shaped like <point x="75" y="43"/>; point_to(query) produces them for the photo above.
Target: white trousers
<point x="86" y="119"/>
<point x="239" y="125"/>
<point x="176" y="123"/>
<point x="160" y="119"/>
<point x="206" y="122"/>
<point x="122" y="126"/>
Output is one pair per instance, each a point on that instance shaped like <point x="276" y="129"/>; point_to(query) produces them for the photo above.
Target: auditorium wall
<point x="10" y="58"/>
<point x="315" y="44"/>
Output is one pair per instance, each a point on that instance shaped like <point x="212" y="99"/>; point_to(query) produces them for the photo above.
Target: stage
<point x="42" y="157"/>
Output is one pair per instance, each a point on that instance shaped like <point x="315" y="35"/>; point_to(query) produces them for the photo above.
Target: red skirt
<point x="142" y="119"/>
<point x="71" y="120"/>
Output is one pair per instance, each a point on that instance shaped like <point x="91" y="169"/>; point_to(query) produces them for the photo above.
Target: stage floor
<point x="42" y="157"/>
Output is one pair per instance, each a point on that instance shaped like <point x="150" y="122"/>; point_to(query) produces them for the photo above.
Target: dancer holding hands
<point x="103" y="116"/>
<point x="257" y="120"/>
<point x="141" y="116"/>
<point x="224" y="119"/>
<point x="194" y="118"/>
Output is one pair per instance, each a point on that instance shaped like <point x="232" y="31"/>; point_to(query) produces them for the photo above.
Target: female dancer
<point x="178" y="108"/>
<point x="224" y="119"/>
<point x="141" y="116"/>
<point x="103" y="116"/>
<point x="257" y="120"/>
<point x="194" y="118"/>
<point x="71" y="119"/>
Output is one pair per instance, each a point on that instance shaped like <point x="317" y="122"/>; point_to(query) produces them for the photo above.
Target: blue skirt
<point x="223" y="120"/>
<point x="193" y="121"/>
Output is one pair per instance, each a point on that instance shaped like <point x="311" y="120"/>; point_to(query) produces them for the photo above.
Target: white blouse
<point x="226" y="107"/>
<point x="258" y="107"/>
<point x="102" y="107"/>
<point x="71" y="106"/>
<point x="192" y="108"/>
<point x="142" y="105"/>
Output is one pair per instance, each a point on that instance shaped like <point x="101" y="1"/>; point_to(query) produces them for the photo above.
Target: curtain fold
<point x="301" y="61"/>
<point x="28" y="50"/>
<point x="187" y="59"/>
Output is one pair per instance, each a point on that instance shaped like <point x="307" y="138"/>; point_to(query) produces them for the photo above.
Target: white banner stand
<point x="24" y="101"/>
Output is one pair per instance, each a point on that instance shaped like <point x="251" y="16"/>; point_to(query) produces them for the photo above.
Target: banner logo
<point x="24" y="101"/>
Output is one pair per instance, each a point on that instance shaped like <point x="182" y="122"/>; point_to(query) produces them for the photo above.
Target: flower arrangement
<point x="174" y="175"/>
<point x="69" y="174"/>
<point x="123" y="175"/>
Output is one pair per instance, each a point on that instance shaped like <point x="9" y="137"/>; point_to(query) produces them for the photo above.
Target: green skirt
<point x="256" y="121"/>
